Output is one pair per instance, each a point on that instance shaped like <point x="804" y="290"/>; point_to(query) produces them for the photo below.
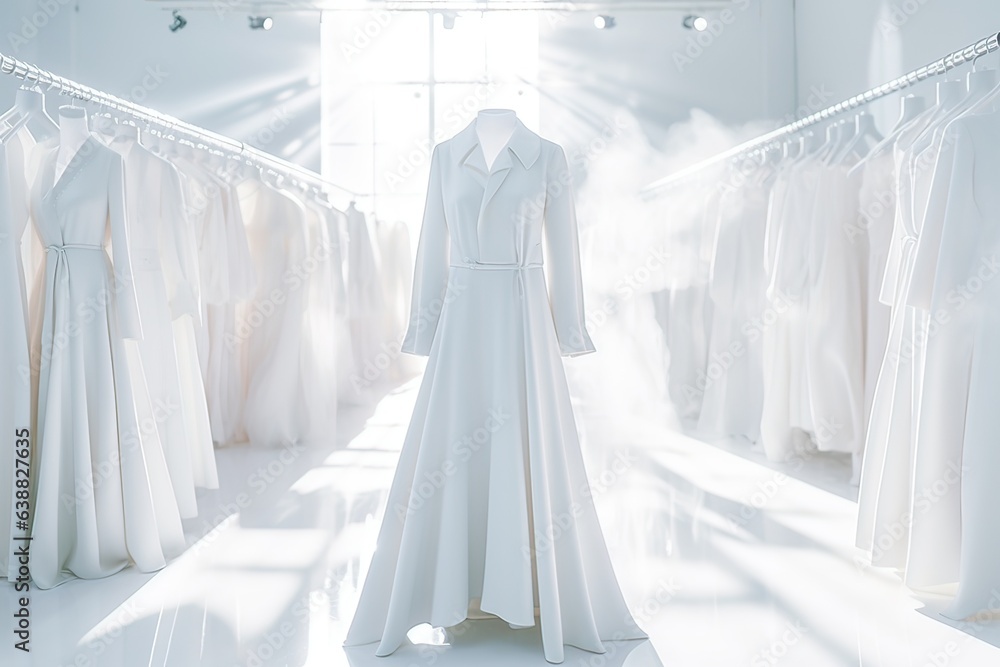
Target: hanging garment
<point x="886" y="492"/>
<point x="102" y="498"/>
<point x="270" y="325"/>
<point x="15" y="378"/>
<point x="152" y="198"/>
<point x="734" y="379"/>
<point x="318" y="360"/>
<point x="971" y="233"/>
<point x="786" y="419"/>
<point x="877" y="210"/>
<point x="836" y="314"/>
<point x="184" y="292"/>
<point x="396" y="276"/>
<point x="365" y="301"/>
<point x="204" y="211"/>
<point x="493" y="420"/>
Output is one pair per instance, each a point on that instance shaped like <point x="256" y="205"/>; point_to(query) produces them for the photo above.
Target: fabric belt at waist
<point x="483" y="266"/>
<point x="61" y="249"/>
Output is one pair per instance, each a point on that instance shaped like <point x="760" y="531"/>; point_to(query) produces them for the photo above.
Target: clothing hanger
<point x="865" y="131"/>
<point x="913" y="110"/>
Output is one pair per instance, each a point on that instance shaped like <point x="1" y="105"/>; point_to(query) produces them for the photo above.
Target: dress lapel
<point x="501" y="167"/>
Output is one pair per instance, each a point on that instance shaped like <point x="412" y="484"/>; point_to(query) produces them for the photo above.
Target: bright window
<point x="396" y="83"/>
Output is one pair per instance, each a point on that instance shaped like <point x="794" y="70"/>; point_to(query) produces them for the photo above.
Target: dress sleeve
<point x="562" y="259"/>
<point x="126" y="302"/>
<point x="430" y="277"/>
<point x="180" y="258"/>
<point x="925" y="262"/>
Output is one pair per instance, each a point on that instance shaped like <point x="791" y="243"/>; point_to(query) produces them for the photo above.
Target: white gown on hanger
<point x="15" y="409"/>
<point x="365" y="301"/>
<point x="970" y="252"/>
<point x="102" y="499"/>
<point x="152" y="206"/>
<point x="270" y="325"/>
<point x="786" y="416"/>
<point x="886" y="492"/>
<point x="318" y="361"/>
<point x="835" y="333"/>
<point x="493" y="419"/>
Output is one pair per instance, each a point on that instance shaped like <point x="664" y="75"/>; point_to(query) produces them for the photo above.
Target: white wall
<point x="848" y="46"/>
<point x="254" y="85"/>
<point x="219" y="74"/>
<point x="740" y="70"/>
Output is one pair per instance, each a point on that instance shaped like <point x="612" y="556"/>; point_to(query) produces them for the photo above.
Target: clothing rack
<point x="201" y="137"/>
<point x="949" y="62"/>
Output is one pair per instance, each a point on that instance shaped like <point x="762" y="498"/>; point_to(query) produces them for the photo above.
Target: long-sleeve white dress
<point x="491" y="486"/>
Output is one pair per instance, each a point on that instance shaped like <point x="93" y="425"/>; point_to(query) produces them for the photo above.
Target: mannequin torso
<point x="494" y="128"/>
<point x="73" y="132"/>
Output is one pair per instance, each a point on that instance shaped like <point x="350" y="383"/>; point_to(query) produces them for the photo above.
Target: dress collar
<point x="524" y="143"/>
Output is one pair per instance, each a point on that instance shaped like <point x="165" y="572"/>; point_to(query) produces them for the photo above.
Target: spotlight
<point x="261" y="22"/>
<point x="448" y="20"/>
<point x="699" y="23"/>
<point x="603" y="22"/>
<point x="179" y="22"/>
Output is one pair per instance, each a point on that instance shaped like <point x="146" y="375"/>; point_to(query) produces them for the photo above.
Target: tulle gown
<point x="491" y="488"/>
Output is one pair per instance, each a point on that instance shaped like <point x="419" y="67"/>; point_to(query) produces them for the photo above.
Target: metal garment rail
<point x="949" y="62"/>
<point x="237" y="149"/>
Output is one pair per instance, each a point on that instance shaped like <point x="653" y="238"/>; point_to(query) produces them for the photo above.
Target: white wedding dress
<point x="490" y="494"/>
<point x="103" y="499"/>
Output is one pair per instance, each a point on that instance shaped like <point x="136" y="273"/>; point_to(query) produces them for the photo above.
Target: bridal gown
<point x="491" y="486"/>
<point x="102" y="498"/>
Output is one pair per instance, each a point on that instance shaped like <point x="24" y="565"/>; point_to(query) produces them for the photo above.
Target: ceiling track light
<point x="261" y="22"/>
<point x="692" y="22"/>
<point x="448" y="20"/>
<point x="604" y="22"/>
<point x="179" y="22"/>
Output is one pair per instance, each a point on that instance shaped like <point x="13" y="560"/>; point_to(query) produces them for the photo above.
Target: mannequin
<point x="494" y="128"/>
<point x="73" y="132"/>
<point x="909" y="107"/>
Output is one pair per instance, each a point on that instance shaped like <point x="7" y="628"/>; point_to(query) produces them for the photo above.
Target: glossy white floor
<point x="725" y="559"/>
